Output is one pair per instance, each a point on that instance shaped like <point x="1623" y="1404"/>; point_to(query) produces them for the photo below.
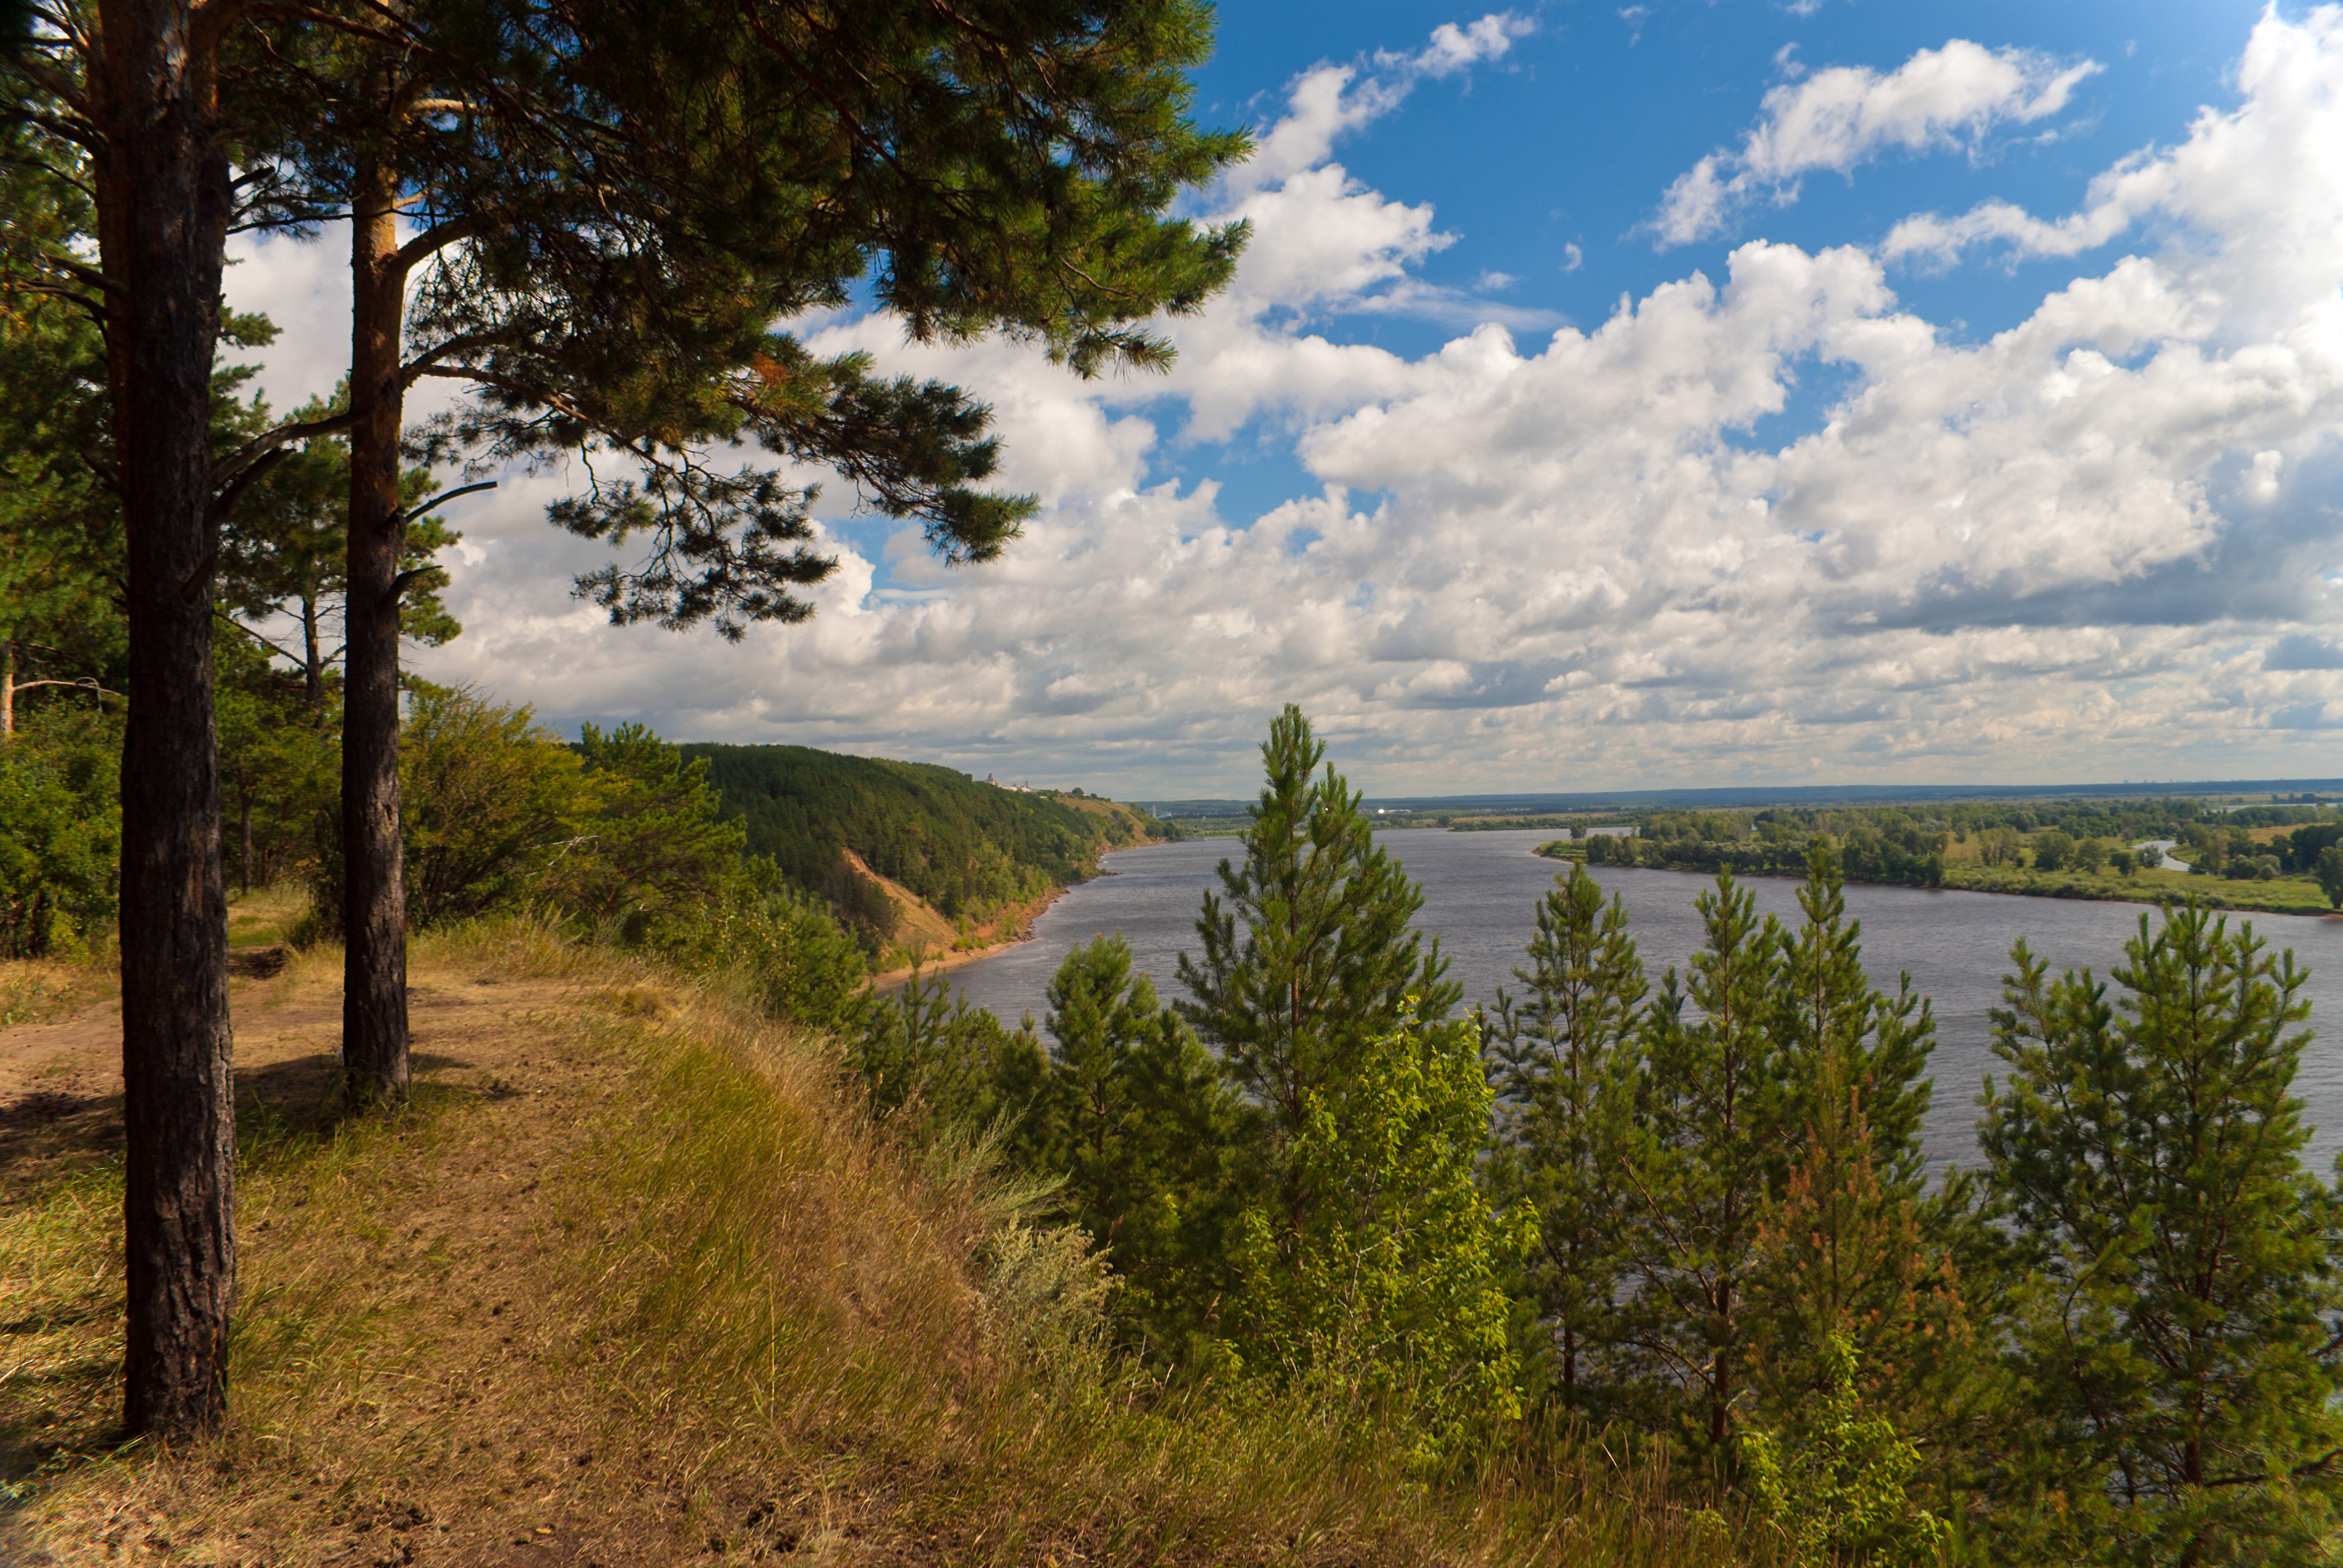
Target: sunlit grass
<point x="649" y="1270"/>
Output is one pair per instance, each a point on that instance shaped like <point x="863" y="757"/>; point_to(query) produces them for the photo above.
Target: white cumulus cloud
<point x="2248" y="182"/>
<point x="1945" y="99"/>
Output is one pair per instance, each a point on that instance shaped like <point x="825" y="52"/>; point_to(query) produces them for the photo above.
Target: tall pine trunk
<point x="162" y="208"/>
<point x="373" y="996"/>
<point x="313" y="662"/>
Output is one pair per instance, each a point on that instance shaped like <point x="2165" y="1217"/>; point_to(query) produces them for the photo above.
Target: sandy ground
<point x="61" y="1082"/>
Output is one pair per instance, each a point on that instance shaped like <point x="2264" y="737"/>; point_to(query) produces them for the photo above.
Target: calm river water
<point x="1481" y="889"/>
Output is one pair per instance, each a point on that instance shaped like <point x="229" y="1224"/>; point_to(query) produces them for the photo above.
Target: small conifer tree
<point x="1835" y="1489"/>
<point x="1387" y="1300"/>
<point x="1846" y="1036"/>
<point x="1715" y="1111"/>
<point x="1310" y="955"/>
<point x="1146" y="1133"/>
<point x="2178" y="1320"/>
<point x="1560" y="1060"/>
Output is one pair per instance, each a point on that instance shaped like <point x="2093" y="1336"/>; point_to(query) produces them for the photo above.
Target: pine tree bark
<point x="162" y="210"/>
<point x="373" y="996"/>
<point x="313" y="662"/>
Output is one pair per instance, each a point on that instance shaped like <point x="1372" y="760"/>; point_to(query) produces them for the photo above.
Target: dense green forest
<point x="970" y="849"/>
<point x="2278" y="856"/>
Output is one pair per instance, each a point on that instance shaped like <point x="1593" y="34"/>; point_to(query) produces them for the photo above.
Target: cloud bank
<point x="1940" y="100"/>
<point x="2102" y="544"/>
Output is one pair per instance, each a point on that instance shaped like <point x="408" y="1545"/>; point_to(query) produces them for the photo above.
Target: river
<point x="1480" y="894"/>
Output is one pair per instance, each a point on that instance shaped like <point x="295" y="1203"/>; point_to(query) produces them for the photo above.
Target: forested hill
<point x="969" y="849"/>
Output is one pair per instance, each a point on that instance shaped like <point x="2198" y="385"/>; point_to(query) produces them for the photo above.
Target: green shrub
<point x="60" y="830"/>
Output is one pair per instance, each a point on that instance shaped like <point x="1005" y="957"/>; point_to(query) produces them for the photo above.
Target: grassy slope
<point x="632" y="1284"/>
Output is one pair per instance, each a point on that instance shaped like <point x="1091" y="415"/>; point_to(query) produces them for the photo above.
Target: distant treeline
<point x="2001" y="846"/>
<point x="967" y="848"/>
<point x="1878" y="844"/>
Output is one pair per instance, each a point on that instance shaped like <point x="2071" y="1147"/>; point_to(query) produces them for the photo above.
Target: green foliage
<point x="284" y="549"/>
<point x="1150" y="1142"/>
<point x="1562" y="1062"/>
<point x="930" y="1059"/>
<point x="2173" y="1319"/>
<point x="1845" y="1036"/>
<point x="2303" y="847"/>
<point x="649" y="856"/>
<point x="1717" y="1098"/>
<point x="1834" y="1487"/>
<point x="621" y="833"/>
<point x="1846" y="1259"/>
<point x="1843" y="1248"/>
<point x="1741" y="1260"/>
<point x="60" y="527"/>
<point x="279" y="764"/>
<point x="809" y="968"/>
<point x="1878" y="844"/>
<point x="2328" y="870"/>
<point x="489" y="798"/>
<point x="1383" y="1294"/>
<point x="638" y="195"/>
<point x="966" y="848"/>
<point x="60" y="830"/>
<point x="1311" y="955"/>
<point x="2053" y="851"/>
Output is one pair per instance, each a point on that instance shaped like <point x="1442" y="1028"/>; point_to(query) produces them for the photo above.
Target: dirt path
<point x="61" y="1082"/>
<point x="455" y="1435"/>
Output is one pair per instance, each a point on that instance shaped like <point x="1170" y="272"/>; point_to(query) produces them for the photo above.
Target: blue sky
<point x="1673" y="393"/>
<point x="1573" y="138"/>
<point x="1548" y="168"/>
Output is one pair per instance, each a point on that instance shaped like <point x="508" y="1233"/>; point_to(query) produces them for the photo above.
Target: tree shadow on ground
<point x="48" y="1135"/>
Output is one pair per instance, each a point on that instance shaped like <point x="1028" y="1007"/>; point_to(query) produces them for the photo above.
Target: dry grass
<point x="41" y="991"/>
<point x="633" y="1283"/>
<point x="262" y="917"/>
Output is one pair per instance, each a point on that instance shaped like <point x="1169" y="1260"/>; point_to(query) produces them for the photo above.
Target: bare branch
<point x="437" y="237"/>
<point x="442" y="499"/>
<point x="229" y="620"/>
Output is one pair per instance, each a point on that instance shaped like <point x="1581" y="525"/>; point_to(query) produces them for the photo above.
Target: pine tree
<point x="1847" y="1037"/>
<point x="1146" y="1134"/>
<point x="1386" y="1298"/>
<point x="591" y="217"/>
<point x="60" y="525"/>
<point x="1561" y="1060"/>
<point x="619" y="202"/>
<point x="1844" y="1258"/>
<point x="284" y="552"/>
<point x="1849" y="1247"/>
<point x="1714" y="1124"/>
<point x="2178" y="1319"/>
<point x="1309" y="955"/>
